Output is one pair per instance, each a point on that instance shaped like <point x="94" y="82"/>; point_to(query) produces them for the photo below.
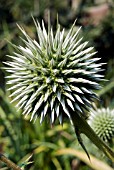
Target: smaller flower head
<point x="102" y="122"/>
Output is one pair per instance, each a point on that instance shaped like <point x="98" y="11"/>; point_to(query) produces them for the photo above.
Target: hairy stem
<point x="83" y="127"/>
<point x="9" y="163"/>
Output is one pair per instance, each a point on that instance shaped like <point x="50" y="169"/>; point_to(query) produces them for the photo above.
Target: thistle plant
<point x="102" y="122"/>
<point x="55" y="76"/>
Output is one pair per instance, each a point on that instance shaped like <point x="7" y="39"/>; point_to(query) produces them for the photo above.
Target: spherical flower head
<point x="54" y="75"/>
<point x="102" y="122"/>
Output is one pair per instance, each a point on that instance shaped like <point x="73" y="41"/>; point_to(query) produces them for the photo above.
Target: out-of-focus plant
<point x="102" y="37"/>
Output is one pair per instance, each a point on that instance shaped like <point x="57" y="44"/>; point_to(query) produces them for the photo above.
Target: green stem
<point x="9" y="163"/>
<point x="83" y="127"/>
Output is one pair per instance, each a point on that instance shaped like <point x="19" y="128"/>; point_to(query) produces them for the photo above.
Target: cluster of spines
<point x="55" y="75"/>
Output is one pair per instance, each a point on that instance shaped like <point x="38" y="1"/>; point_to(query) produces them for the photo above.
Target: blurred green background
<point x="47" y="147"/>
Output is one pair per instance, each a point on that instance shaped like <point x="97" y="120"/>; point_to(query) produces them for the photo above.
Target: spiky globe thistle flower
<point x="102" y="122"/>
<point x="53" y="75"/>
<point x="56" y="76"/>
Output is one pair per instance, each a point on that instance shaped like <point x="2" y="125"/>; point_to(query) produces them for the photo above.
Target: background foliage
<point x="48" y="146"/>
